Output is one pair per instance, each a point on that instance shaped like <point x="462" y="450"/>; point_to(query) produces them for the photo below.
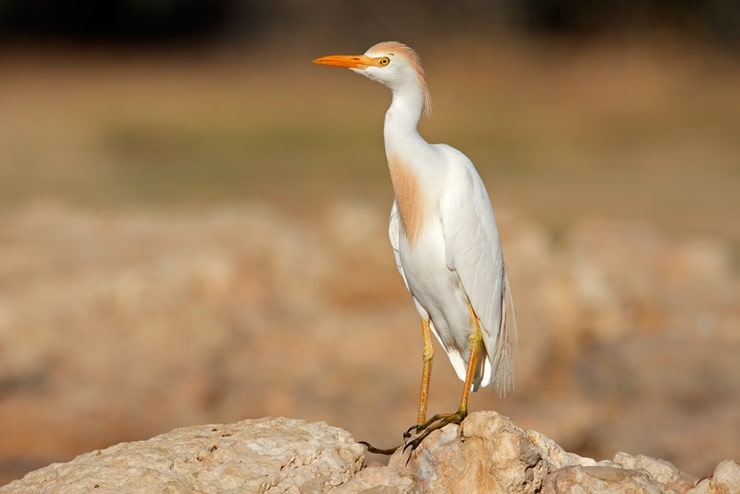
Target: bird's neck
<point x="402" y="121"/>
<point x="407" y="151"/>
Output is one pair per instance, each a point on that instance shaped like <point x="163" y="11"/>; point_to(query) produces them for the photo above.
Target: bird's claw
<point x="408" y="432"/>
<point x="435" y="423"/>
<point x="421" y="431"/>
<point x="414" y="443"/>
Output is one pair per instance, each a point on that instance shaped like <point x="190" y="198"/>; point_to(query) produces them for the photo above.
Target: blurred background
<point x="193" y="218"/>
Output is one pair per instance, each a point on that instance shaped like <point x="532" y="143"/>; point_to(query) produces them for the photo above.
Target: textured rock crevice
<point x="486" y="453"/>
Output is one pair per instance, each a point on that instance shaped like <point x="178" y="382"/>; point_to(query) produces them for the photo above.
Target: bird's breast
<point x="410" y="197"/>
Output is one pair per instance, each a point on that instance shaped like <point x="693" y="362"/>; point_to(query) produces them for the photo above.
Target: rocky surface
<point x="264" y="455"/>
<point x="115" y="326"/>
<point x="486" y="454"/>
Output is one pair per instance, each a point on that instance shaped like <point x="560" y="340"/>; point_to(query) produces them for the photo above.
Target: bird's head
<point x="390" y="63"/>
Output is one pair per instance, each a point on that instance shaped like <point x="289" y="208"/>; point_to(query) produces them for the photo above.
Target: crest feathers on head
<point x="413" y="58"/>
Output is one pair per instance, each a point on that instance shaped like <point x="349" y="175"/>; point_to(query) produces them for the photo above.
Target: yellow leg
<point x="476" y="338"/>
<point x="426" y="373"/>
<point x="441" y="420"/>
<point x="426" y="377"/>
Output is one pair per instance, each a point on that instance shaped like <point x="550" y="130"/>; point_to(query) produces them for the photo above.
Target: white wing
<point x="473" y="251"/>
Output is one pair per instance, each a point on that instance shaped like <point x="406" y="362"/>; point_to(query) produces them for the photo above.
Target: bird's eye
<point x="384" y="61"/>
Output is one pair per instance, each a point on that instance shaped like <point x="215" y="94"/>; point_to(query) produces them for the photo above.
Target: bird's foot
<point x="379" y="451"/>
<point x="414" y="435"/>
<point x="422" y="431"/>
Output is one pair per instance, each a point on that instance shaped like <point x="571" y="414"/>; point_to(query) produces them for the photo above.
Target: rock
<point x="264" y="455"/>
<point x="487" y="453"/>
<point x="726" y="480"/>
<point x="663" y="472"/>
<point x="598" y="479"/>
<point x="379" y="480"/>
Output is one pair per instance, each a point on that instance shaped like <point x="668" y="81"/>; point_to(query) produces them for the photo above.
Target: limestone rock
<point x="487" y="453"/>
<point x="379" y="480"/>
<point x="265" y="455"/>
<point x="726" y="480"/>
<point x="603" y="479"/>
<point x="661" y="471"/>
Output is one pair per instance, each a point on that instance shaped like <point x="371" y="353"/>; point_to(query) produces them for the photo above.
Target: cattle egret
<point x="444" y="238"/>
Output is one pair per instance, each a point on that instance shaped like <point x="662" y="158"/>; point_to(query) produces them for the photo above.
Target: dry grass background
<point x="201" y="237"/>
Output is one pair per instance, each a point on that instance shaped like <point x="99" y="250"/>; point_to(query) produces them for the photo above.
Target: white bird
<point x="444" y="237"/>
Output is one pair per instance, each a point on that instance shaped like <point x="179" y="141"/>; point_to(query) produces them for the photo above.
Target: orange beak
<point x="349" y="61"/>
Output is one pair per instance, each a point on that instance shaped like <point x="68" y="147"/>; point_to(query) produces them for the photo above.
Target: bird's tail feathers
<point x="505" y="354"/>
